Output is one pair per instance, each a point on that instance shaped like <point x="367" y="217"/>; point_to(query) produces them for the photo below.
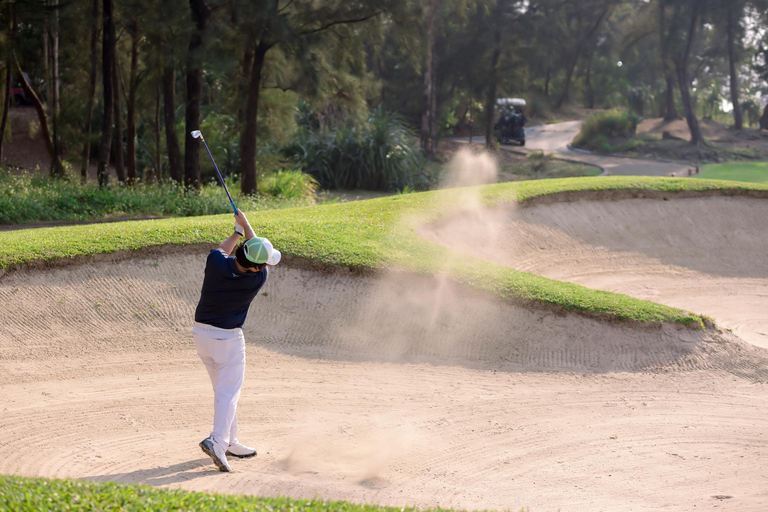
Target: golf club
<point x="197" y="134"/>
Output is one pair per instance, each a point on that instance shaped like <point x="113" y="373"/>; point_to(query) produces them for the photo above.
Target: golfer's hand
<point x="242" y="221"/>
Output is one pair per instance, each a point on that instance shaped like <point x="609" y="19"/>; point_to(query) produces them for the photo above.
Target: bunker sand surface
<point x="394" y="389"/>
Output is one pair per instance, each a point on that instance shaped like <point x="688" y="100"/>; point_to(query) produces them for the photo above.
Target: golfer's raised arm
<point x="228" y="244"/>
<point x="248" y="232"/>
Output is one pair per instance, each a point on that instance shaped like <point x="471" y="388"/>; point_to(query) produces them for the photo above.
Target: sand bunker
<point x="405" y="390"/>
<point x="707" y="255"/>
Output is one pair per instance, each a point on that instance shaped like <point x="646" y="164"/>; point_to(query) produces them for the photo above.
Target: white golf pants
<point x="223" y="354"/>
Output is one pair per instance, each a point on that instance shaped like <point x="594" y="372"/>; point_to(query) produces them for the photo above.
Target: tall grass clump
<point x="377" y="154"/>
<point x="32" y="198"/>
<point x="289" y="184"/>
<point x="601" y="130"/>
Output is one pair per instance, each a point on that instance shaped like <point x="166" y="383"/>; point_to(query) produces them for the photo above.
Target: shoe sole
<point x="212" y="455"/>
<point x="241" y="456"/>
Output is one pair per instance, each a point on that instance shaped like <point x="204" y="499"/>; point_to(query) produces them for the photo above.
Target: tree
<point x="133" y="83"/>
<point x="296" y="27"/>
<point x="429" y="117"/>
<point x="201" y="16"/>
<point x="669" y="112"/>
<point x="581" y="21"/>
<point x="91" y="89"/>
<point x="107" y="66"/>
<point x="734" y="11"/>
<point x="682" y="37"/>
<point x="8" y="75"/>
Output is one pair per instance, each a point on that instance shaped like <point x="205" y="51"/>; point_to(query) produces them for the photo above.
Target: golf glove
<point x="239" y="229"/>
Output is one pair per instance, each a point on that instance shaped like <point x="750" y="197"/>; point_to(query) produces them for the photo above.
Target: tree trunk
<point x="575" y="58"/>
<point x="119" y="150"/>
<point x="6" y="106"/>
<point x="91" y="90"/>
<point x="8" y="75"/>
<point x="738" y="120"/>
<point x="490" y="100"/>
<point x="568" y="76"/>
<point x="685" y="83"/>
<point x="670" y="112"/>
<point x="200" y="15"/>
<point x="248" y="184"/>
<point x="57" y="170"/>
<point x="245" y="78"/>
<point x="133" y="28"/>
<point x="158" y="152"/>
<point x="107" y="66"/>
<point x="42" y="118"/>
<point x="764" y="119"/>
<point x="169" y="115"/>
<point x="590" y="91"/>
<point x="428" y="117"/>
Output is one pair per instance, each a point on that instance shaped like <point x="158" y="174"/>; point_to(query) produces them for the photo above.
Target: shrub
<point x="380" y="154"/>
<point x="289" y="184"/>
<point x="600" y="127"/>
<point x="539" y="161"/>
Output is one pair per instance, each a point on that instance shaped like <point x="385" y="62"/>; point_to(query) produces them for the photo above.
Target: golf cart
<point x="510" y="126"/>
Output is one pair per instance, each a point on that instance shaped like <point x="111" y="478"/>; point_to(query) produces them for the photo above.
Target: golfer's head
<point x="255" y="253"/>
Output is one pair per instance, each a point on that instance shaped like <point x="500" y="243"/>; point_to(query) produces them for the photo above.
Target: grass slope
<point x="34" y="495"/>
<point x="749" y="172"/>
<point x="378" y="233"/>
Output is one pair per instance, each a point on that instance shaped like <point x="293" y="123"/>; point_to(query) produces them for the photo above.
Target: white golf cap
<point x="260" y="250"/>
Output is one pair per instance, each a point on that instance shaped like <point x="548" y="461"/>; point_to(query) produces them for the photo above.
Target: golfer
<point x="230" y="284"/>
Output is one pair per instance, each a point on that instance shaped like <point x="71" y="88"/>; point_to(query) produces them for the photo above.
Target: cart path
<point x="555" y="138"/>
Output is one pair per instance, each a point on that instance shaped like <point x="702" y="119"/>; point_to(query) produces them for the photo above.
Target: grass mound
<point x="37" y="494"/>
<point x="382" y="232"/>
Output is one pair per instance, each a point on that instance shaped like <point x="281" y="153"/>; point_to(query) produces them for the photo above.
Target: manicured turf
<point x="750" y="172"/>
<point x="34" y="495"/>
<point x="375" y="234"/>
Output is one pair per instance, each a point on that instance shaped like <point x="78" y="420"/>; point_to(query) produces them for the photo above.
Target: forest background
<point x="356" y="94"/>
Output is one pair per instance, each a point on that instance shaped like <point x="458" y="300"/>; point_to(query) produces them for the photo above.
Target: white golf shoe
<point x="238" y="450"/>
<point x="215" y="452"/>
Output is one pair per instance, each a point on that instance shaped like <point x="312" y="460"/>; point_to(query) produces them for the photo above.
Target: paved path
<point x="554" y="138"/>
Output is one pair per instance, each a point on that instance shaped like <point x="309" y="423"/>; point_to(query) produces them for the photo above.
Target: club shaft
<point x="219" y="173"/>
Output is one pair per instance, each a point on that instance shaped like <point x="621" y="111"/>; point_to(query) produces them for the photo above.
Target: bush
<point x="539" y="161"/>
<point x="598" y="130"/>
<point x="380" y="154"/>
<point x="289" y="184"/>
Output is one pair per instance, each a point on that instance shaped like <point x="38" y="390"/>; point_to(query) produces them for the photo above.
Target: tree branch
<point x="330" y="24"/>
<point x="285" y="6"/>
<point x="222" y="6"/>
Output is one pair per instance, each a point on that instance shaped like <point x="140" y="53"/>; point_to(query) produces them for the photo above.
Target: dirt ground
<point x="405" y="390"/>
<point x="724" y="142"/>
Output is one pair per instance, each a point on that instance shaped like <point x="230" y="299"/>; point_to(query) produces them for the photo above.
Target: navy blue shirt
<point x="227" y="293"/>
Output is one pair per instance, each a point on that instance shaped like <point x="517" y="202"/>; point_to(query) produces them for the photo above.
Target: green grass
<point x="32" y="198"/>
<point x="34" y="495"/>
<point x="378" y="233"/>
<point x="539" y="166"/>
<point x="748" y="172"/>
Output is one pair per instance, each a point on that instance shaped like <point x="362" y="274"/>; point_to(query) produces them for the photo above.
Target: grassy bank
<point x="32" y="198"/>
<point x="35" y="495"/>
<point x="748" y="172"/>
<point x="378" y="233"/>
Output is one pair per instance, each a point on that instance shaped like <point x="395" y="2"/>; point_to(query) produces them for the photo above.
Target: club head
<point x="196" y="134"/>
